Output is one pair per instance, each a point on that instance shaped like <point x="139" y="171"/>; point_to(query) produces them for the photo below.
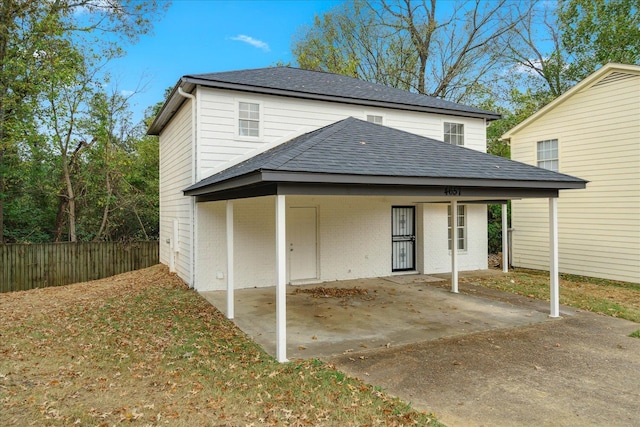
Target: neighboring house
<point x="591" y="131"/>
<point x="280" y="175"/>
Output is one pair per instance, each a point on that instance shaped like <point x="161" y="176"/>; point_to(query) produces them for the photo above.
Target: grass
<point x="141" y="348"/>
<point x="612" y="298"/>
<point x="635" y="334"/>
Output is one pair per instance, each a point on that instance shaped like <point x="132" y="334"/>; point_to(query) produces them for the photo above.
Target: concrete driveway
<point x="581" y="370"/>
<point x="478" y="358"/>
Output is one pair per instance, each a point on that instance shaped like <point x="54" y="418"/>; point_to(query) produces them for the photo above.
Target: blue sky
<point x="200" y="36"/>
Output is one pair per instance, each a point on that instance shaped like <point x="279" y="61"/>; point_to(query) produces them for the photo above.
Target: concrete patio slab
<point x="389" y="314"/>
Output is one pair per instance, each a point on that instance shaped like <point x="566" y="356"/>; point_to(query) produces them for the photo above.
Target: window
<point x="374" y="119"/>
<point x="248" y="119"/>
<point x="454" y="133"/>
<point x="548" y="154"/>
<point x="462" y="227"/>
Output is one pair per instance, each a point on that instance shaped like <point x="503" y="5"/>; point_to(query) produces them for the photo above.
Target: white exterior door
<point x="302" y="243"/>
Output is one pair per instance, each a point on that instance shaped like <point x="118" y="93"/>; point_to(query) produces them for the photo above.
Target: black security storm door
<point x="403" y="238"/>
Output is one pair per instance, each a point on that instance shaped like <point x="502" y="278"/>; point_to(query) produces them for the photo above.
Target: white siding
<point x="354" y="232"/>
<point x="598" y="132"/>
<point x="218" y="141"/>
<point x="175" y="176"/>
<point x="354" y="237"/>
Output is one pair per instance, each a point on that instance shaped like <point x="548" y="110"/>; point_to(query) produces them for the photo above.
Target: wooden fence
<point x="38" y="265"/>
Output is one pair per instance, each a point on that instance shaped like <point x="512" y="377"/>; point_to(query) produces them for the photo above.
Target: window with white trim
<point x="454" y="133"/>
<point x="461" y="223"/>
<point x="374" y="119"/>
<point x="548" y="154"/>
<point x="248" y="119"/>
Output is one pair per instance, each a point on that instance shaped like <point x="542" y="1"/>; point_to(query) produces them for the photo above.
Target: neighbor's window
<point x="374" y="119"/>
<point x="248" y="119"/>
<point x="454" y="133"/>
<point x="461" y="223"/>
<point x="548" y="154"/>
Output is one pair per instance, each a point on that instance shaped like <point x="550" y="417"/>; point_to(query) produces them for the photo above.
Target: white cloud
<point x="253" y="42"/>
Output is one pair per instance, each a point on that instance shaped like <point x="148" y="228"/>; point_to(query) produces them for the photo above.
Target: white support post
<point x="230" y="268"/>
<point x="281" y="278"/>
<point x="554" y="279"/>
<point x="454" y="246"/>
<point x="505" y="240"/>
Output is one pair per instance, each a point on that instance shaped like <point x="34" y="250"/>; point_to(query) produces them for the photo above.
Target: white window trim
<point x="236" y="131"/>
<point x="369" y="113"/>
<point x="465" y="228"/>
<point x="464" y="131"/>
<point x="557" y="159"/>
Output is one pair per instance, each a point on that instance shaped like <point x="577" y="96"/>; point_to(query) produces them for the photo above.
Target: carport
<point x="351" y="316"/>
<point x="360" y="159"/>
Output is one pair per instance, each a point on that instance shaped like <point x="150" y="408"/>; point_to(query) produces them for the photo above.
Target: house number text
<point x="453" y="191"/>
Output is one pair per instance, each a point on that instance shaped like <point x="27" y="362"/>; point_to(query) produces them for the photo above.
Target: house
<point x="591" y="131"/>
<point x="280" y="175"/>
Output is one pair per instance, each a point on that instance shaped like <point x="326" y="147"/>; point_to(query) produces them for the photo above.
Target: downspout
<point x="194" y="178"/>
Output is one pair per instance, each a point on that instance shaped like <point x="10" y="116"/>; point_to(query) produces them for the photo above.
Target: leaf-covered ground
<point x="609" y="297"/>
<point x="142" y="348"/>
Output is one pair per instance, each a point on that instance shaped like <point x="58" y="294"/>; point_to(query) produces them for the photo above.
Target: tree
<point x="597" y="32"/>
<point x="452" y="54"/>
<point x="120" y="174"/>
<point x="30" y="33"/>
<point x="537" y="56"/>
<point x="350" y="41"/>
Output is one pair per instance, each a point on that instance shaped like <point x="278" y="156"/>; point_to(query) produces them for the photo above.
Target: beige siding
<point x="175" y="176"/>
<point x="598" y="132"/>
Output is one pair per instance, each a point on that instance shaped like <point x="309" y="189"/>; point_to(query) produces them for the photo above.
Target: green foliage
<point x="494" y="227"/>
<point x="597" y="32"/>
<point x="635" y="334"/>
<point x="349" y="40"/>
<point x="58" y="133"/>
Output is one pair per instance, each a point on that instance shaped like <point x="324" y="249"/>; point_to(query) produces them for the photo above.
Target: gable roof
<point x="313" y="85"/>
<point x="355" y="152"/>
<point x="611" y="70"/>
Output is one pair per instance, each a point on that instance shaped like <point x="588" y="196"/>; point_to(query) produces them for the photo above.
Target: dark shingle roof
<point x="314" y="84"/>
<point x="356" y="147"/>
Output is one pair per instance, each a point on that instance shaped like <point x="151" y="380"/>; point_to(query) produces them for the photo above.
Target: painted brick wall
<point x="354" y="239"/>
<point x="437" y="257"/>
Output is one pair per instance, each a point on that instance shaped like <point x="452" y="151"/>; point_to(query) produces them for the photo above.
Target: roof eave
<point x="188" y="83"/>
<point x="270" y="176"/>
<point x="171" y="105"/>
<point x="315" y="96"/>
<point x="586" y="82"/>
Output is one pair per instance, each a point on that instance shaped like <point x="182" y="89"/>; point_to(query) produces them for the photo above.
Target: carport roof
<point x="357" y="157"/>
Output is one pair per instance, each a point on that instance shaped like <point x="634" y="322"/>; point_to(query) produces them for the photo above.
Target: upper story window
<point x="548" y="154"/>
<point x="248" y="119"/>
<point x="454" y="133"/>
<point x="461" y="224"/>
<point x="374" y="119"/>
